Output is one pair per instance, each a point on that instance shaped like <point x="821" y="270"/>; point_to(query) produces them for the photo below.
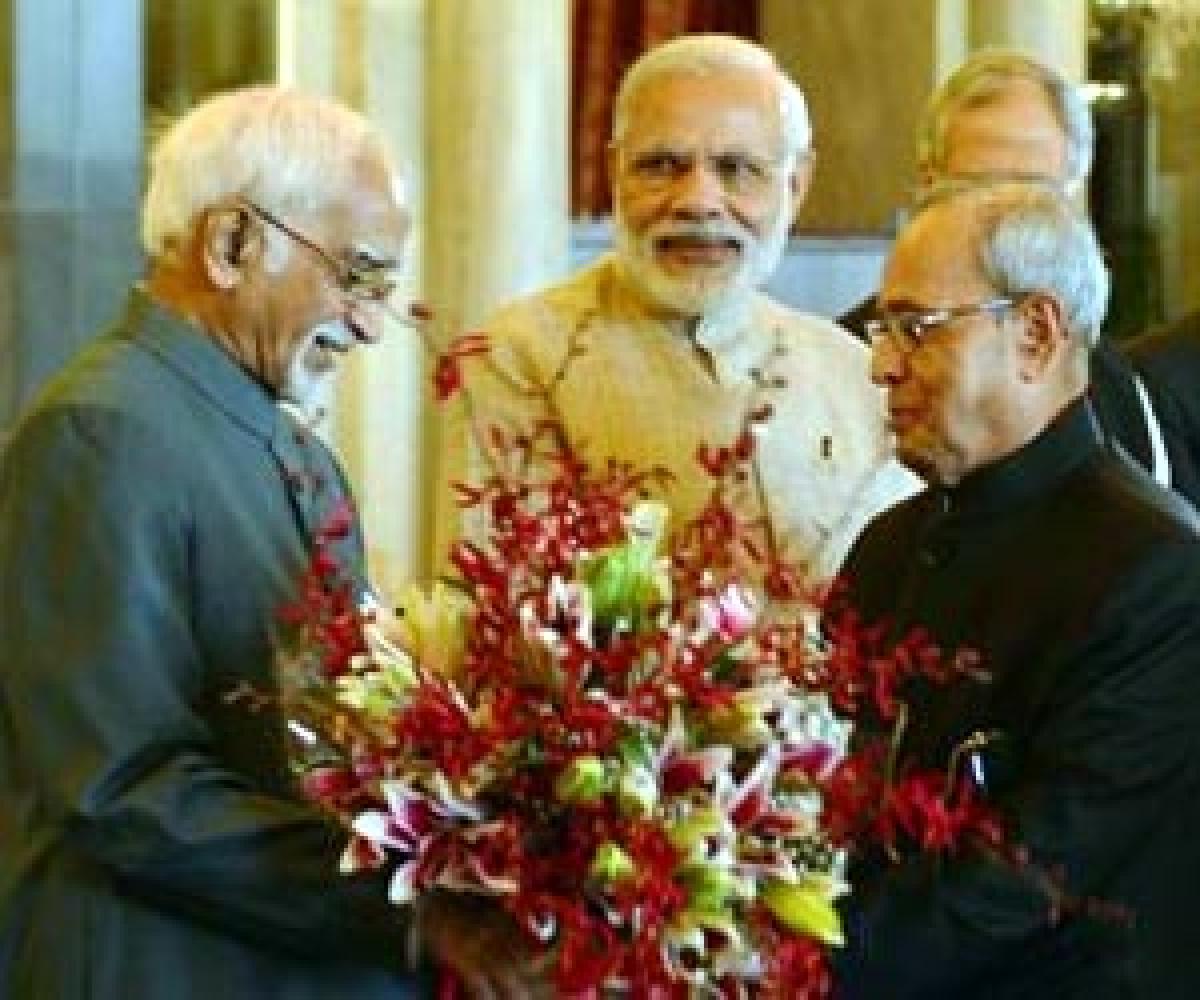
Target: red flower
<point x="936" y="819"/>
<point x="447" y="369"/>
<point x="469" y="768"/>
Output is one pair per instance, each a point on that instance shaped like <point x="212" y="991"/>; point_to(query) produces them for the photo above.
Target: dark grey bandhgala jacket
<point x="156" y="509"/>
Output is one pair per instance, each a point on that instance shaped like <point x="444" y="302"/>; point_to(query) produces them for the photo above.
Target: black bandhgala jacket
<point x="1078" y="581"/>
<point x="156" y="511"/>
<point x="1168" y="360"/>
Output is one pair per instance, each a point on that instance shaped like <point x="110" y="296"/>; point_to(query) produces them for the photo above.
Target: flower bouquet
<point x="602" y="725"/>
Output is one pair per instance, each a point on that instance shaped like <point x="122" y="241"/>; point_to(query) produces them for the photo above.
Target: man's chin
<point x="919" y="458"/>
<point x="309" y="392"/>
<point x="691" y="295"/>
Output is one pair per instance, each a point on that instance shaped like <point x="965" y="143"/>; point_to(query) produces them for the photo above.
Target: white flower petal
<point x="402" y="889"/>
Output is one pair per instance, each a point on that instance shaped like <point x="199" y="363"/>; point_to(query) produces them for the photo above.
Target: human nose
<point x="698" y="193"/>
<point x="889" y="360"/>
<point x="367" y="324"/>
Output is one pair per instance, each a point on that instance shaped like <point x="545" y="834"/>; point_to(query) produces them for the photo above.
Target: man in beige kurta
<point x="665" y="344"/>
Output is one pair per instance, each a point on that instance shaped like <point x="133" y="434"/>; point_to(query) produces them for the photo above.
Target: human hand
<point x="483" y="947"/>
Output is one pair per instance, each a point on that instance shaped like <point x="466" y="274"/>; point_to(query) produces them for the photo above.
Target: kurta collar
<point x="202" y="362"/>
<point x="1071" y="439"/>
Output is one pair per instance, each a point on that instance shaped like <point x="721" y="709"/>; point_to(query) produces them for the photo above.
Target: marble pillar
<point x="1054" y="31"/>
<point x="473" y="96"/>
<point x="369" y="54"/>
<point x="380" y="409"/>
<point x="497" y="175"/>
<point x="952" y="20"/>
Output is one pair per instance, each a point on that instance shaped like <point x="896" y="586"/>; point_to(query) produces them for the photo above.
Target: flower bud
<point x="611" y="864"/>
<point x="806" y="906"/>
<point x="584" y="780"/>
<point x="713" y="887"/>
<point x="637" y="792"/>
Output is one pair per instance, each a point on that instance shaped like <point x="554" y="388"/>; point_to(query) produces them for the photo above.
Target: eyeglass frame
<point x="375" y="280"/>
<point x="911" y="326"/>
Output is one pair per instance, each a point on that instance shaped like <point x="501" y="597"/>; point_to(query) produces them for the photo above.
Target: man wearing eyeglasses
<point x="1000" y="116"/>
<point x="666" y="345"/>
<point x="157" y="509"/>
<point x="1078" y="583"/>
<point x="1003" y="115"/>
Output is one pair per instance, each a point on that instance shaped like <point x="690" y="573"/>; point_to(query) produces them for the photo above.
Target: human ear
<point x="230" y="242"/>
<point x="801" y="176"/>
<point x="1044" y="335"/>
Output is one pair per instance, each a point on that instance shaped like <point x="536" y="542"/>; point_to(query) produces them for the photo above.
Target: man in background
<point x="1003" y="115"/>
<point x="157" y="508"/>
<point x="1078" y="583"/>
<point x="666" y="344"/>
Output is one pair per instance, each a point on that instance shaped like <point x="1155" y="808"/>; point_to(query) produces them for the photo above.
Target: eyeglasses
<point x="910" y="327"/>
<point x="361" y="275"/>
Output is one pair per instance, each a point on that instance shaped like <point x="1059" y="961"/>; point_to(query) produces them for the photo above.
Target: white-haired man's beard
<point x="705" y="291"/>
<point x="308" y="380"/>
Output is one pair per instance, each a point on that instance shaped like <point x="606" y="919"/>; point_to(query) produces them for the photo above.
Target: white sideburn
<point x="309" y="377"/>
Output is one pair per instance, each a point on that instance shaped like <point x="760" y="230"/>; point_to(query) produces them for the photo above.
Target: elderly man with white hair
<point x="1003" y="115"/>
<point x="666" y="343"/>
<point x="1077" y="582"/>
<point x="157" y="509"/>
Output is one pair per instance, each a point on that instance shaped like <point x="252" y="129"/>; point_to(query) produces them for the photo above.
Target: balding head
<point x="989" y="302"/>
<point x="1004" y="115"/>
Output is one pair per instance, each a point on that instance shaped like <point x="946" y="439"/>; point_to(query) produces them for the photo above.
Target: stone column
<point x="952" y="42"/>
<point x="380" y="409"/>
<point x="497" y="80"/>
<point x="369" y="54"/>
<point x="1054" y="31"/>
<point x="473" y="95"/>
<point x="497" y="171"/>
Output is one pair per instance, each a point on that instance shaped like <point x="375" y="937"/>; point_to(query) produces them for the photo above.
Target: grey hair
<point x="288" y="151"/>
<point x="1030" y="239"/>
<point x="981" y="79"/>
<point x="702" y="54"/>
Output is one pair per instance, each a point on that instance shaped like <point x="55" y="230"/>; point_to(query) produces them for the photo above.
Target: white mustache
<point x="333" y="337"/>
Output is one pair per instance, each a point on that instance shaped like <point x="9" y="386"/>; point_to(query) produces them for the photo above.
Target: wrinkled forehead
<point x="1012" y="131"/>
<point x="713" y="109"/>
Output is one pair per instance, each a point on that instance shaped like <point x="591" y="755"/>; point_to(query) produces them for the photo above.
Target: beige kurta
<point x="623" y="384"/>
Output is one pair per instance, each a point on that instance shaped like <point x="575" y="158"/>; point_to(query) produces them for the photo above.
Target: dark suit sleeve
<point x="1115" y="402"/>
<point x="1113" y="755"/>
<point x="1169" y="363"/>
<point x="101" y="676"/>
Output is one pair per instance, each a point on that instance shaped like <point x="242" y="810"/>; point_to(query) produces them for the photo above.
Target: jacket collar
<point x="1071" y="439"/>
<point x="202" y="363"/>
<point x="736" y="336"/>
